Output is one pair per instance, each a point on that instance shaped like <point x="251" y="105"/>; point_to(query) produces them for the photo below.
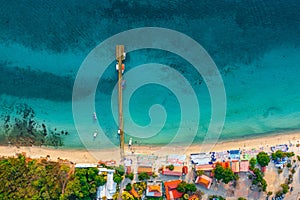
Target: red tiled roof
<point x="171" y="192"/>
<point x="134" y="193"/>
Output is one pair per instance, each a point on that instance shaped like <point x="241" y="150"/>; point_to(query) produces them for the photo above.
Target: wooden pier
<point x="120" y="56"/>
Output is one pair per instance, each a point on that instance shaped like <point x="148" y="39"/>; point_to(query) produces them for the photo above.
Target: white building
<point x="110" y="188"/>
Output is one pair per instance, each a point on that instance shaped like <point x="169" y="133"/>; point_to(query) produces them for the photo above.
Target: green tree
<point x="181" y="187"/>
<point x="83" y="184"/>
<point x="252" y="163"/>
<point x="289" y="154"/>
<point x="279" y="154"/>
<point x="228" y="176"/>
<point x="143" y="176"/>
<point x="127" y="196"/>
<point x="128" y="187"/>
<point x="200" y="172"/>
<point x="218" y="172"/>
<point x="285" y="188"/>
<point x="263" y="158"/>
<point x="241" y="198"/>
<point x="170" y="167"/>
<point x="190" y="187"/>
<point x="117" y="178"/>
<point x="269" y="193"/>
<point x="120" y="170"/>
<point x="130" y="176"/>
<point x="100" y="180"/>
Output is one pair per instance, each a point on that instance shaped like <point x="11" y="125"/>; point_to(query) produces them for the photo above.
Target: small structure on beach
<point x="171" y="191"/>
<point x="200" y="158"/>
<point x="204" y="181"/>
<point x="282" y="147"/>
<point x="235" y="166"/>
<point x="234" y="154"/>
<point x="244" y="166"/>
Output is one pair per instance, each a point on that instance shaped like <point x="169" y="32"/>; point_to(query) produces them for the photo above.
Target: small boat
<point x="123" y="67"/>
<point x="123" y="83"/>
<point x="95" y="116"/>
<point x="95" y="134"/>
<point x="130" y="142"/>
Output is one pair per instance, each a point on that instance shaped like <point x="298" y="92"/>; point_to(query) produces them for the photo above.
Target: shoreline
<point x="93" y="156"/>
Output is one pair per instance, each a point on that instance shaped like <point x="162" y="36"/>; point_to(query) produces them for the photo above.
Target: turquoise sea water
<point x="255" y="45"/>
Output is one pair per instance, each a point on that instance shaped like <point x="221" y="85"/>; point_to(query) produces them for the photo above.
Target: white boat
<point x="123" y="67"/>
<point x="95" y="134"/>
<point x="95" y="116"/>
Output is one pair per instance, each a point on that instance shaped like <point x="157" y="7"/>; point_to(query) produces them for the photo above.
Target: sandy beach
<point x="92" y="156"/>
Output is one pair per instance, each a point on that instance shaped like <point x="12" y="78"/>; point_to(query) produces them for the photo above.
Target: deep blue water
<point x="255" y="45"/>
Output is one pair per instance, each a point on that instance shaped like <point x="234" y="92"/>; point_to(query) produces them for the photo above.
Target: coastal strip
<point x="87" y="156"/>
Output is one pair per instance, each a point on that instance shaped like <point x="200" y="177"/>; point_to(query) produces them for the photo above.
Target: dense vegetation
<point x="186" y="187"/>
<point x="23" y="178"/>
<point x="259" y="180"/>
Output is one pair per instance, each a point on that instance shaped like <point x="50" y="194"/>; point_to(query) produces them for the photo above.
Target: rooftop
<point x="171" y="192"/>
<point x="204" y="180"/>
<point x="177" y="171"/>
<point x="154" y="189"/>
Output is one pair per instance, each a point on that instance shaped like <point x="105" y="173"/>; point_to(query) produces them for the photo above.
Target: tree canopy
<point x="224" y="174"/>
<point x="143" y="176"/>
<point x="263" y="158"/>
<point x="24" y="178"/>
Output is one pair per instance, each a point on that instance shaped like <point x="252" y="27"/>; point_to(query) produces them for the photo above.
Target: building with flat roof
<point x="206" y="167"/>
<point x="110" y="188"/>
<point x="235" y="166"/>
<point x="85" y="165"/>
<point x="145" y="169"/>
<point x="177" y="171"/>
<point x="244" y="166"/>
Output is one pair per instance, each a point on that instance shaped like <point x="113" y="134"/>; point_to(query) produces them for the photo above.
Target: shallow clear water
<point x="254" y="44"/>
